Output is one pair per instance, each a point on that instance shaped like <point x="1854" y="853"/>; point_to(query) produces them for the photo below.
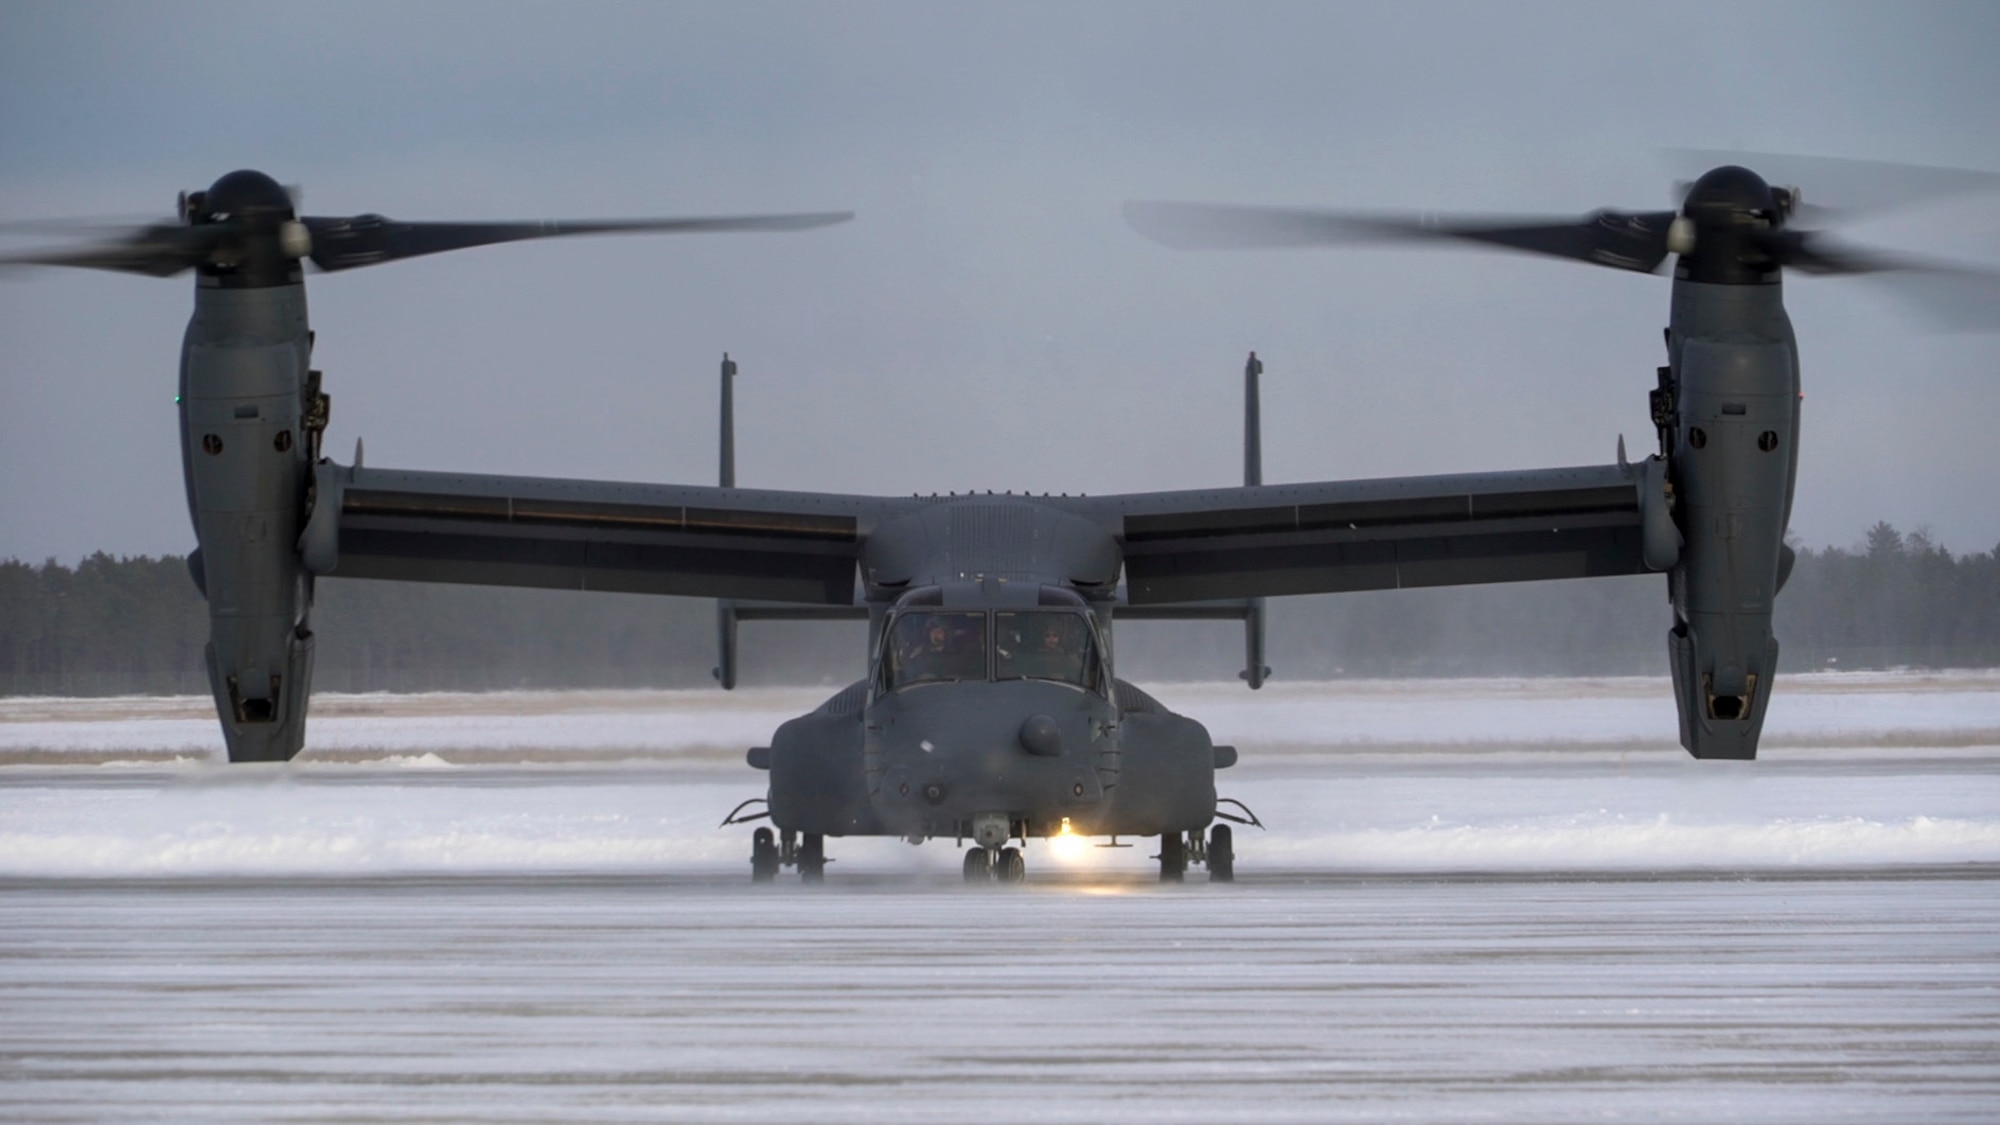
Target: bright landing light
<point x="1068" y="848"/>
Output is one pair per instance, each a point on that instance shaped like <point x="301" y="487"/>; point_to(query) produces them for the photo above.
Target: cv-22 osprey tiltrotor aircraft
<point x="990" y="711"/>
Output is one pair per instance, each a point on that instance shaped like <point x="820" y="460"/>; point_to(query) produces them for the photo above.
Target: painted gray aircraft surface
<point x="990" y="711"/>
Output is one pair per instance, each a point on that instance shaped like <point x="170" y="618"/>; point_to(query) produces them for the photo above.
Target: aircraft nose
<point x="1041" y="736"/>
<point x="939" y="754"/>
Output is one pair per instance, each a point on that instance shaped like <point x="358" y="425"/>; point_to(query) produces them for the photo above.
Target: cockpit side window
<point x="1045" y="646"/>
<point x="935" y="648"/>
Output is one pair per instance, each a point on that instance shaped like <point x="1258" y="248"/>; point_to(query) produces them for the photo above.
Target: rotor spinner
<point x="1724" y="234"/>
<point x="251" y="197"/>
<point x="264" y="239"/>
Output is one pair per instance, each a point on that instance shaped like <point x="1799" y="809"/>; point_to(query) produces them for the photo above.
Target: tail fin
<point x="1253" y="424"/>
<point x="726" y="475"/>
<point x="725" y="610"/>
<point x="1254" y="668"/>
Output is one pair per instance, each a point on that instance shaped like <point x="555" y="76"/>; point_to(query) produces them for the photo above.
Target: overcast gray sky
<point x="989" y="321"/>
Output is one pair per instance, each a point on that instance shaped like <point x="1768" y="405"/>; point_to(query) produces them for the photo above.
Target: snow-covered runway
<point x="1477" y="901"/>
<point x="626" y="999"/>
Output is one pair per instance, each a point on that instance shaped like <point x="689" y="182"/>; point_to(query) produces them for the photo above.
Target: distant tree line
<point x="137" y="625"/>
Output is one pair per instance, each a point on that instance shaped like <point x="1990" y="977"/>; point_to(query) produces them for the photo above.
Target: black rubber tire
<point x="1009" y="867"/>
<point x="978" y="865"/>
<point x="1173" y="857"/>
<point x="763" y="856"/>
<point x="812" y="858"/>
<point x="1221" y="854"/>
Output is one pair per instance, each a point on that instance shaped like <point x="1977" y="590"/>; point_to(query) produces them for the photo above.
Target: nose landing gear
<point x="1009" y="867"/>
<point x="978" y="865"/>
<point x="995" y="865"/>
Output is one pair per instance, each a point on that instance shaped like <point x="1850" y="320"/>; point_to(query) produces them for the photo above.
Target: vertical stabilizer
<point x="1253" y="424"/>
<point x="725" y="610"/>
<point x="726" y="477"/>
<point x="1254" y="668"/>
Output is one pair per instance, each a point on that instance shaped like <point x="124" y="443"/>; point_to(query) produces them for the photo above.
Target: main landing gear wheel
<point x="1173" y="857"/>
<point x="978" y="865"/>
<point x="1221" y="854"/>
<point x="812" y="858"/>
<point x="1010" y="867"/>
<point x="763" y="856"/>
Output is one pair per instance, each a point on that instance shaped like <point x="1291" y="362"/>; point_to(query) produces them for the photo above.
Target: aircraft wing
<point x="1331" y="536"/>
<point x="690" y="540"/>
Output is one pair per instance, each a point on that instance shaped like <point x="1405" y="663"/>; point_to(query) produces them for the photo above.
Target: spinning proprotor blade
<point x="245" y="225"/>
<point x="1732" y="225"/>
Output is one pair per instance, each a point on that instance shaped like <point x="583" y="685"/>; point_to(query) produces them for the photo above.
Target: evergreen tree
<point x="137" y="625"/>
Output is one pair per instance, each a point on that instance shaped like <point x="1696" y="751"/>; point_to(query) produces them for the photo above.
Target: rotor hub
<point x="247" y="197"/>
<point x="251" y="236"/>
<point x="1733" y="195"/>
<point x="1725" y="231"/>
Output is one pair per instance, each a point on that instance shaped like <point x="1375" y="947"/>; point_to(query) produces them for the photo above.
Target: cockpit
<point x="935" y="646"/>
<point x="926" y="644"/>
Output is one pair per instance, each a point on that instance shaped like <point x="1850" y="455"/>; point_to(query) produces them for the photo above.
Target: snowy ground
<point x="1358" y="776"/>
<point x="1477" y="901"/>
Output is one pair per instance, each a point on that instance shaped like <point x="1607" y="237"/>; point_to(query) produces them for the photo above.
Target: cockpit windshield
<point x="944" y="646"/>
<point x="935" y="648"/>
<point x="1044" y="646"/>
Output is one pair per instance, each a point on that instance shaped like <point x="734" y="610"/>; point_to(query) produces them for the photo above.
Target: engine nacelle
<point x="1736" y="387"/>
<point x="245" y="455"/>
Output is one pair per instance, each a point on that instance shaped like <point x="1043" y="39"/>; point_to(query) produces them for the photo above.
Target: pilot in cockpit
<point x="935" y="641"/>
<point x="1045" y="646"/>
<point x="949" y="647"/>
